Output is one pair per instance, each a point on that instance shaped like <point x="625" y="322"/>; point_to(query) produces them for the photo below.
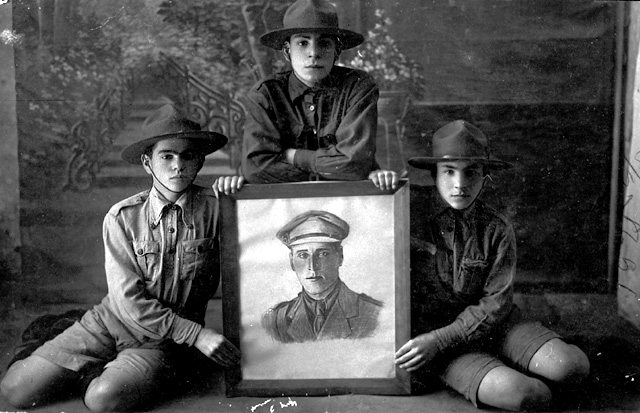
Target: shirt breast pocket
<point x="148" y="257"/>
<point x="198" y="256"/>
<point x="472" y="276"/>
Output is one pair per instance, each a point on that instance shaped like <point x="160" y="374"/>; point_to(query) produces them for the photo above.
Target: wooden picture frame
<point x="258" y="277"/>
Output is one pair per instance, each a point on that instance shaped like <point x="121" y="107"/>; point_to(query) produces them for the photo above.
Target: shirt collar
<point x="159" y="205"/>
<point x="297" y="88"/>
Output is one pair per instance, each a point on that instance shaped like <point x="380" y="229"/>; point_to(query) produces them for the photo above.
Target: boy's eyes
<point x="470" y="173"/>
<point x="322" y="43"/>
<point x="187" y="156"/>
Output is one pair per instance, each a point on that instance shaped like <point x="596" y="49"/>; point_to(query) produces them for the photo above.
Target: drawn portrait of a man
<point x="325" y="308"/>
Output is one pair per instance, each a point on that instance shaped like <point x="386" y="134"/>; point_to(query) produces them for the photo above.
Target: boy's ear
<point x="285" y="51"/>
<point x="146" y="162"/>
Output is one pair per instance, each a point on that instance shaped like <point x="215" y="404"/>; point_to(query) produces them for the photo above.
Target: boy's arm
<point x="353" y="156"/>
<point x="479" y="320"/>
<point x="263" y="159"/>
<point x="139" y="312"/>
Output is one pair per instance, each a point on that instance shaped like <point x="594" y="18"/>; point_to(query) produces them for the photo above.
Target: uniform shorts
<point x="99" y="340"/>
<point x="463" y="370"/>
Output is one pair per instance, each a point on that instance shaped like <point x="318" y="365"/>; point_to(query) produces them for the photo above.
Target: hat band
<point x="313" y="235"/>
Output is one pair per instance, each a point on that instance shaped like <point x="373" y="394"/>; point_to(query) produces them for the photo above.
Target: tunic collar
<point x="159" y="205"/>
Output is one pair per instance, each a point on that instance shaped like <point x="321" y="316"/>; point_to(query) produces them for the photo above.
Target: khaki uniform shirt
<point x="161" y="263"/>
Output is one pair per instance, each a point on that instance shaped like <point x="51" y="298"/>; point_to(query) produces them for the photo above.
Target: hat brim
<point x="426" y="162"/>
<point x="209" y="141"/>
<point x="275" y="39"/>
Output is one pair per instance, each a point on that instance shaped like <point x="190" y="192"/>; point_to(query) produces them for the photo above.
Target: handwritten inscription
<point x="632" y="230"/>
<point x="631" y="219"/>
<point x="271" y="405"/>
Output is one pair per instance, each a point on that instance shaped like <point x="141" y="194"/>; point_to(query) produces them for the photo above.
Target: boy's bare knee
<point x="561" y="362"/>
<point x="514" y="391"/>
<point x="574" y="367"/>
<point x="102" y="396"/>
<point x="13" y="390"/>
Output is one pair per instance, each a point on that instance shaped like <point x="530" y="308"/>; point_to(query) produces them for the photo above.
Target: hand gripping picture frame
<point x="315" y="288"/>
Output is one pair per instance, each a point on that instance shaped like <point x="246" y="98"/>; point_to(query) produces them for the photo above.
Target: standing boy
<point x="317" y="121"/>
<point x="161" y="269"/>
<point x="463" y="272"/>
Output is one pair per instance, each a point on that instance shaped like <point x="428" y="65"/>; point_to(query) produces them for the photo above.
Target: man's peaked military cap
<point x="313" y="226"/>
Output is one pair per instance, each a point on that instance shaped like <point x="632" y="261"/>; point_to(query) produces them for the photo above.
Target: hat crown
<point x="313" y="226"/>
<point x="167" y="120"/>
<point x="310" y="14"/>
<point x="460" y="139"/>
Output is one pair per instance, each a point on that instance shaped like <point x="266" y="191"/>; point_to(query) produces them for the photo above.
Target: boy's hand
<point x="227" y="184"/>
<point x="384" y="180"/>
<point x="289" y="154"/>
<point x="217" y="347"/>
<point x="417" y="352"/>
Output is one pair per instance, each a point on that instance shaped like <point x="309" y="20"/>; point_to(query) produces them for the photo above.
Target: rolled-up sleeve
<point x="140" y="312"/>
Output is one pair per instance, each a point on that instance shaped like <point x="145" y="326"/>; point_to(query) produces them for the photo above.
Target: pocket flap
<point x="146" y="247"/>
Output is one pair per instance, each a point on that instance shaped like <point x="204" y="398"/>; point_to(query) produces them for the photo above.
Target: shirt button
<point x="174" y="207"/>
<point x="171" y="230"/>
<point x="312" y="108"/>
<point x="140" y="251"/>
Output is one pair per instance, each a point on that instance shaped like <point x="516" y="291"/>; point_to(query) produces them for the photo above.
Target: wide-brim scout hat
<point x="459" y="141"/>
<point x="313" y="226"/>
<point x="169" y="122"/>
<point x="311" y="16"/>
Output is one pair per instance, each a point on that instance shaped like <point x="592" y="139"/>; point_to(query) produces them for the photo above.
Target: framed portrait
<point x="315" y="284"/>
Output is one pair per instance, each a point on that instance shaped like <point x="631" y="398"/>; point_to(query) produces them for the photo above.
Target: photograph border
<point x="229" y="257"/>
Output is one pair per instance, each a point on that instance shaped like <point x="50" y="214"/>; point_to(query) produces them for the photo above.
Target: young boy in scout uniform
<point x="161" y="269"/>
<point x="325" y="308"/>
<point x="469" y="331"/>
<point x="317" y="121"/>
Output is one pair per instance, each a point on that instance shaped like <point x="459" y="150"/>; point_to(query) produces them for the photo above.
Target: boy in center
<point x="317" y="121"/>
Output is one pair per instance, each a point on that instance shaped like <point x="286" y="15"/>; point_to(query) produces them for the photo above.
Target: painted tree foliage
<point x="76" y="50"/>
